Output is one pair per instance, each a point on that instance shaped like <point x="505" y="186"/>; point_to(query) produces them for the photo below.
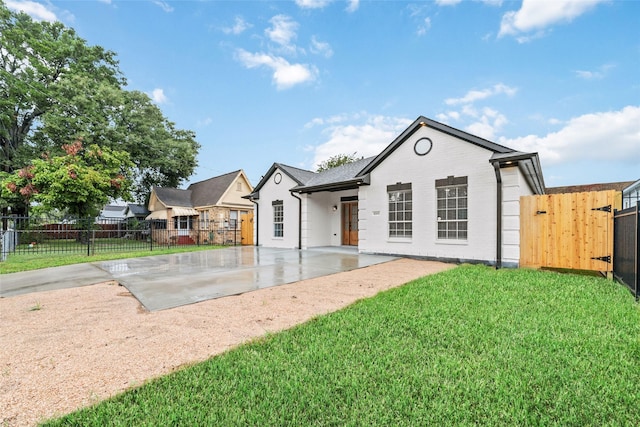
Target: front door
<point x="350" y="223"/>
<point x="182" y="224"/>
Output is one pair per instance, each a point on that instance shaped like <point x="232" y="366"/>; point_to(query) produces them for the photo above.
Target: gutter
<point x="299" y="219"/>
<point x="496" y="167"/>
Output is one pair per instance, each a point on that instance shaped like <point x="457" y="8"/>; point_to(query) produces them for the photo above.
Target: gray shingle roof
<point x="174" y="196"/>
<point x="339" y="174"/>
<point x="209" y="191"/>
<point x="604" y="186"/>
<point x="137" y="210"/>
<point x="301" y="176"/>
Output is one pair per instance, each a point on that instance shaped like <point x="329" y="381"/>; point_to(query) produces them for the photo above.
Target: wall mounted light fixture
<point x="334" y="208"/>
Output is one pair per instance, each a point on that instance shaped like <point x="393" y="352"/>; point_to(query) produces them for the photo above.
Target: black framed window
<point x="453" y="209"/>
<point x="278" y="218"/>
<point x="400" y="200"/>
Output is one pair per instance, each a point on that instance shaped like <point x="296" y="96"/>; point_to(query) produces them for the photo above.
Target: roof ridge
<point x="216" y="177"/>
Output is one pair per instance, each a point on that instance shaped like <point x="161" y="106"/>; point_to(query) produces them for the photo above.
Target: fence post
<point x="637" y="255"/>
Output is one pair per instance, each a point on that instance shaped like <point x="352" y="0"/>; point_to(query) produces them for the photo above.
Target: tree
<point x="55" y="88"/>
<point x="338" y="160"/>
<point x="79" y="182"/>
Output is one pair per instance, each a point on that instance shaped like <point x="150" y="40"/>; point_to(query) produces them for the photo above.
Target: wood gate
<point x="246" y="229"/>
<point x="572" y="230"/>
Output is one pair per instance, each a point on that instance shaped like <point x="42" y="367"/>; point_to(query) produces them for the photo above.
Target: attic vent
<point x="239" y="187"/>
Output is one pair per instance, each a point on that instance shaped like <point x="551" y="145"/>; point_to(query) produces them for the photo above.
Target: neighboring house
<point x="208" y="211"/>
<point x="112" y="214"/>
<point x="583" y="188"/>
<point x="435" y="192"/>
<point x="133" y="211"/>
<point x="631" y="195"/>
<point x="630" y="190"/>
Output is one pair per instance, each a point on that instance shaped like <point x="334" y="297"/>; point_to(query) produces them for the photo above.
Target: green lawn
<point x="468" y="346"/>
<point x="33" y="261"/>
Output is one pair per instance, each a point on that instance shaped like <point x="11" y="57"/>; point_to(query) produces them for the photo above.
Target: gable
<point x="422" y="122"/>
<point x="236" y="192"/>
<point x="210" y="191"/>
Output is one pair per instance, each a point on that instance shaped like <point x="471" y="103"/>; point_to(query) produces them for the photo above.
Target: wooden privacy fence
<point x="572" y="230"/>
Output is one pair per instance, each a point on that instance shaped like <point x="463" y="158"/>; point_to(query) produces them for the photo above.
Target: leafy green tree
<point x="337" y="160"/>
<point x="79" y="182"/>
<point x="55" y="88"/>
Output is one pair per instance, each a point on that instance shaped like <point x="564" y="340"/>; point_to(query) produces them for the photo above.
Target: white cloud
<point x="353" y="5"/>
<point x="312" y="4"/>
<point x="476" y="95"/>
<point x="598" y="74"/>
<point x="321" y="48"/>
<point x="485" y="122"/>
<point x="163" y="5"/>
<point x="282" y="31"/>
<point x="488" y="123"/>
<point x="158" y="96"/>
<point x="426" y="26"/>
<point x="285" y="74"/>
<point x="335" y="119"/>
<point x="239" y="26"/>
<point x="204" y="122"/>
<point x="37" y="11"/>
<point x="367" y="138"/>
<point x="455" y="2"/>
<point x="612" y="135"/>
<point x="536" y="15"/>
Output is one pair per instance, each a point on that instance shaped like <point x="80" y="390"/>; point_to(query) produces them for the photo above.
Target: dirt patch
<point x="65" y="349"/>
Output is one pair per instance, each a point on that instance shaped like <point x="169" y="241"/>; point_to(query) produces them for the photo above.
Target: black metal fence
<point x="626" y="247"/>
<point x="41" y="235"/>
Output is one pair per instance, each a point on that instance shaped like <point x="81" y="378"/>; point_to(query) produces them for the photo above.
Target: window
<point x="451" y="196"/>
<point x="204" y="220"/>
<point x="400" y="210"/>
<point x="159" y="224"/>
<point x="183" y="222"/>
<point x="233" y="219"/>
<point x="278" y="218"/>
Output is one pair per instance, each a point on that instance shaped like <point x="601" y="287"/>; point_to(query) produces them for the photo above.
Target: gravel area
<point x="64" y="349"/>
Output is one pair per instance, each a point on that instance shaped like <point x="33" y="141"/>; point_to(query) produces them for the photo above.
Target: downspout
<point x="299" y="219"/>
<point x="257" y="221"/>
<point x="496" y="167"/>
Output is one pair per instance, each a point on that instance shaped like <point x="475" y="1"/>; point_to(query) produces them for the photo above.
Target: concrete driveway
<point x="166" y="281"/>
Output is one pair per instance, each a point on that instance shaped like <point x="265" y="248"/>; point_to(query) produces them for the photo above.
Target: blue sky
<point x="298" y="81"/>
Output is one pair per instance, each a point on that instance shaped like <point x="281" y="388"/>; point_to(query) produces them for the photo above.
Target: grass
<point x="33" y="261"/>
<point x="465" y="347"/>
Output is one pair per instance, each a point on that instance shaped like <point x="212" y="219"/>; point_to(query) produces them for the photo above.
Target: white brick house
<point x="435" y="192"/>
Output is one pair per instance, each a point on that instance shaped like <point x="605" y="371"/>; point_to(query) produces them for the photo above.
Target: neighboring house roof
<point x="617" y="186"/>
<point x="113" y="212"/>
<point x="632" y="186"/>
<point x="171" y="197"/>
<point x="210" y="191"/>
<point x="136" y="210"/>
